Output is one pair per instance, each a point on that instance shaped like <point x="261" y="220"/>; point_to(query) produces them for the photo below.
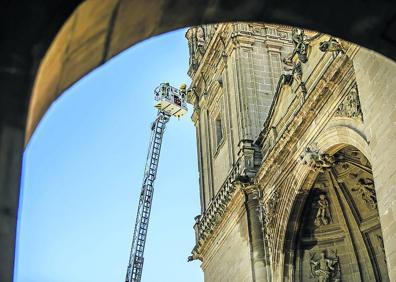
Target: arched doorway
<point x="339" y="236"/>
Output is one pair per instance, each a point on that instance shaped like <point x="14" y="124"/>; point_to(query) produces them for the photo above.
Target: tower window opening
<point x="219" y="130"/>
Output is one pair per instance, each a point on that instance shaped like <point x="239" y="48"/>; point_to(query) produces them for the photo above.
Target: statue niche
<point x="323" y="215"/>
<point x="336" y="236"/>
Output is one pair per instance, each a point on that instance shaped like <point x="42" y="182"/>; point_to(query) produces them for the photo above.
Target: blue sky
<point x="83" y="168"/>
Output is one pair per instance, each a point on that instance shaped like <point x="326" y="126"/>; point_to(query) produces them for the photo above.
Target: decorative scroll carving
<point x="364" y="186"/>
<point x="316" y="160"/>
<point x="350" y="106"/>
<point x="325" y="268"/>
<point x="323" y="215"/>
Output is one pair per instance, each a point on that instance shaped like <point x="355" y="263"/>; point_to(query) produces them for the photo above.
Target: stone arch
<point x="336" y="137"/>
<point x="97" y="31"/>
<point x="100" y="36"/>
<point x="334" y="220"/>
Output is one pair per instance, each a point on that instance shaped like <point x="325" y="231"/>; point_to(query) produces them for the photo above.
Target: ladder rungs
<point x="135" y="266"/>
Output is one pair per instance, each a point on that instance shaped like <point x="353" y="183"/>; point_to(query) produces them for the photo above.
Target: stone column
<point x="260" y="266"/>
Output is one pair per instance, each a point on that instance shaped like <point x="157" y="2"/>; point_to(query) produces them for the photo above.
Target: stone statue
<point x="325" y="269"/>
<point x="365" y="187"/>
<point x="316" y="160"/>
<point x="200" y="35"/>
<point x="323" y="216"/>
<point x="288" y="65"/>
<point x="300" y="44"/>
<point x="331" y="45"/>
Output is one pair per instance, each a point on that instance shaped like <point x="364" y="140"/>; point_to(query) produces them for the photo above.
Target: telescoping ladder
<point x="170" y="101"/>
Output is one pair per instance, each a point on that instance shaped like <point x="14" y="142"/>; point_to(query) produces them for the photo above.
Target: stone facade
<point x="290" y="187"/>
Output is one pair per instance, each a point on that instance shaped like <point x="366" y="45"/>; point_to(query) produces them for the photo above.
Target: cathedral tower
<point x="287" y="187"/>
<point x="235" y="68"/>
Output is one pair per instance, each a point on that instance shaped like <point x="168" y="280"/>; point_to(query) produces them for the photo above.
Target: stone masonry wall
<point x="231" y="257"/>
<point x="377" y="89"/>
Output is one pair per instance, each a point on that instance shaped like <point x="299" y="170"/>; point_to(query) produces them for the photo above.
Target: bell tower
<point x="235" y="68"/>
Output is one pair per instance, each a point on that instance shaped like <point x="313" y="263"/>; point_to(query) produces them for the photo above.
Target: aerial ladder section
<point x="170" y="101"/>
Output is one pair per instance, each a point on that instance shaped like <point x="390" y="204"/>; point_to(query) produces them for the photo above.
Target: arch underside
<point x="335" y="233"/>
<point x="99" y="30"/>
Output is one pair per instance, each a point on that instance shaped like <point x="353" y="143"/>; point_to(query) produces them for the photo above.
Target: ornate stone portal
<point x="339" y="226"/>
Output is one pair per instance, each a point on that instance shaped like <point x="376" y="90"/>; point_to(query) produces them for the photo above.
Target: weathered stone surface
<point x="375" y="76"/>
<point x="112" y="26"/>
<point x="105" y="29"/>
<point x="316" y="195"/>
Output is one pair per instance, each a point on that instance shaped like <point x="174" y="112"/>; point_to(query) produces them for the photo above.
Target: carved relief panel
<point x="340" y="236"/>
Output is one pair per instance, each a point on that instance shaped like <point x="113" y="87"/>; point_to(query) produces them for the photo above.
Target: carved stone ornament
<point x="288" y="65"/>
<point x="316" y="160"/>
<point x="200" y="35"/>
<point x="268" y="216"/>
<point x="198" y="38"/>
<point x="292" y="71"/>
<point x="258" y="195"/>
<point x="191" y="36"/>
<point x="331" y="45"/>
<point x="350" y="106"/>
<point x="365" y="188"/>
<point x="325" y="268"/>
<point x="297" y="72"/>
<point x="323" y="215"/>
<point x="300" y="44"/>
